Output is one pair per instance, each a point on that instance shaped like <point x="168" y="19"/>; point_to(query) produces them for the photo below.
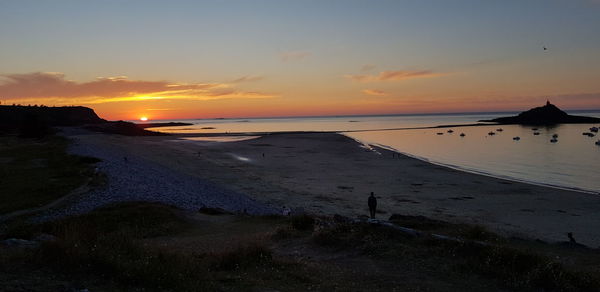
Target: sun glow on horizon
<point x="143" y="119"/>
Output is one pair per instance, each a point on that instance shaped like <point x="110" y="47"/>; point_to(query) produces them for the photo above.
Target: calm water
<point x="572" y="162"/>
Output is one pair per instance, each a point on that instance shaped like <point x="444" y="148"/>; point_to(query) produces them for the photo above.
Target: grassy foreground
<point x="36" y="172"/>
<point x="141" y="246"/>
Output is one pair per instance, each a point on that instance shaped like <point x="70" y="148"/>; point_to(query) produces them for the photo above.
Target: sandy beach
<point x="326" y="173"/>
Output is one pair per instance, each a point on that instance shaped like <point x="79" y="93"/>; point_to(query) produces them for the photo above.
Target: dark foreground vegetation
<point x="140" y="246"/>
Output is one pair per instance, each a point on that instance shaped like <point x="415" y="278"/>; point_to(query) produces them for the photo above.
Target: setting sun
<point x="143" y="119"/>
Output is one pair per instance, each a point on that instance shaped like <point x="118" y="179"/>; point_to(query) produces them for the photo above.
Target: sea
<point x="571" y="162"/>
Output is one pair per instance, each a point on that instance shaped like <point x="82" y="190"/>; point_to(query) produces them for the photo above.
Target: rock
<point x="544" y="115"/>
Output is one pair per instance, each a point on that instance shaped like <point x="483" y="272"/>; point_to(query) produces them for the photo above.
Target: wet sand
<point x="328" y="173"/>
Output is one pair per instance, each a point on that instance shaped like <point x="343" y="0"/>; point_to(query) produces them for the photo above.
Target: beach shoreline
<point x="330" y="173"/>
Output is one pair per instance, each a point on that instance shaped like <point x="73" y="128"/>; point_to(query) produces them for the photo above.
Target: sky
<point x="209" y="59"/>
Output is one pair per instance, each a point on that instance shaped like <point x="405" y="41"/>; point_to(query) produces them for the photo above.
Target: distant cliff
<point x="50" y="116"/>
<point x="38" y="121"/>
<point x="544" y="115"/>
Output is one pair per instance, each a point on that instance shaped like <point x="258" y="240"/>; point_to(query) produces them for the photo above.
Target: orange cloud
<point x="374" y="92"/>
<point x="294" y="56"/>
<point x="54" y="88"/>
<point x="399" y="75"/>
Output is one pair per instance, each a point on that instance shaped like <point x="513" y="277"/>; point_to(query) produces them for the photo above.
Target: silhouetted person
<point x="571" y="238"/>
<point x="372" y="205"/>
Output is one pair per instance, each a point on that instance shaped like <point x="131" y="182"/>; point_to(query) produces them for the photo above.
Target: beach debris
<point x="462" y="134"/>
<point x="517" y="138"/>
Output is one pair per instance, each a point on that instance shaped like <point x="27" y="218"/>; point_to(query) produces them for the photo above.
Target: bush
<point x="303" y="222"/>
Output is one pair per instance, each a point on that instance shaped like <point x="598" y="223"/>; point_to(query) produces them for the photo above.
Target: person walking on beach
<point x="372" y="205"/>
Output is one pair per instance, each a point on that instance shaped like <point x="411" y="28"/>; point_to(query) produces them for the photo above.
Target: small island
<point x="548" y="114"/>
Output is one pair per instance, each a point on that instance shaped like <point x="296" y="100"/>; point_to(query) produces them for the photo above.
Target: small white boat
<point x="517" y="138"/>
<point x="553" y="140"/>
<point x="594" y="129"/>
<point x="462" y="134"/>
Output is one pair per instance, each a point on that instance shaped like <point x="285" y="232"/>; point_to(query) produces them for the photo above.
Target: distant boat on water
<point x="534" y="129"/>
<point x="499" y="129"/>
<point x="462" y="134"/>
<point x="553" y="140"/>
<point x="594" y="129"/>
<point x="536" y="133"/>
<point x="588" y="134"/>
<point x="440" y="133"/>
<point x="517" y="138"/>
<point x="450" y="131"/>
<point x="491" y="133"/>
<point x="598" y="142"/>
<point x="555" y="136"/>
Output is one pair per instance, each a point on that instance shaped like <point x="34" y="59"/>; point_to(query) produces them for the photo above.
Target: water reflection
<point x="570" y="162"/>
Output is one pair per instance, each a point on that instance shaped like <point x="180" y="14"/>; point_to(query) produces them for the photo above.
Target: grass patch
<point x="111" y="244"/>
<point x="36" y="172"/>
<point x="509" y="264"/>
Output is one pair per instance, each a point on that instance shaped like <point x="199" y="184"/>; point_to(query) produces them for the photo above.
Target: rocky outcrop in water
<point x="544" y="115"/>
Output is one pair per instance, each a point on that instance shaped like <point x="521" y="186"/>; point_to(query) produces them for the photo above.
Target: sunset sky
<point x="206" y="59"/>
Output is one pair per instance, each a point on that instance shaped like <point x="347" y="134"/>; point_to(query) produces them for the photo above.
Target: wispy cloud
<point x="398" y="75"/>
<point x="40" y="86"/>
<point x="367" y="67"/>
<point x="375" y="92"/>
<point x="294" y="56"/>
<point x="160" y="109"/>
<point x="247" y="79"/>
